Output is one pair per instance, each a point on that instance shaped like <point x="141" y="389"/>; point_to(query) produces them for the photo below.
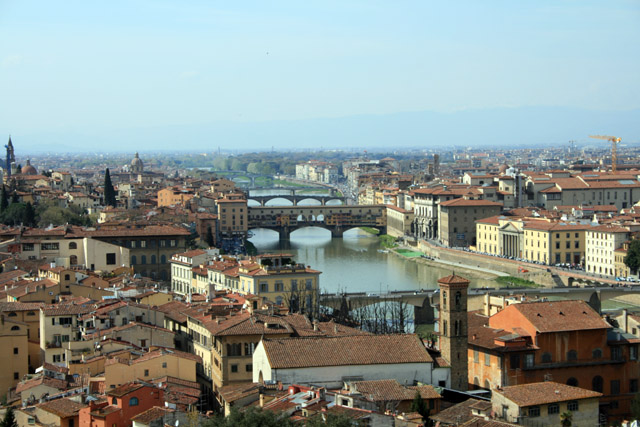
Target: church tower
<point x="453" y="328"/>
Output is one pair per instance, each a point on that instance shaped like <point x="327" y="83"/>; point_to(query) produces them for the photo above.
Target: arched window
<point x="572" y="355"/>
<point x="597" y="384"/>
<point x="133" y="401"/>
<point x="73" y="245"/>
<point x="67" y="277"/>
<point x="114" y="401"/>
<point x="476" y="383"/>
<point x="73" y="260"/>
<point x="546" y="357"/>
<point x="597" y="353"/>
<point x="153" y="259"/>
<point x="444" y="298"/>
<point x="31" y="313"/>
<point x="163" y="259"/>
<point x="458" y="298"/>
<point x="15" y="328"/>
<point x="572" y="382"/>
<point x="134" y="260"/>
<point x="143" y="259"/>
<point x="487" y="384"/>
<point x="12" y="314"/>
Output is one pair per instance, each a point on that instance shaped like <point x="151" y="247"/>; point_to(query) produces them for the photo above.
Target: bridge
<point x="423" y="300"/>
<point x="296" y="198"/>
<point x="335" y="218"/>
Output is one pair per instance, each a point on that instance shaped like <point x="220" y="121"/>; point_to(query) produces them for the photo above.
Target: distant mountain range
<point x="506" y="127"/>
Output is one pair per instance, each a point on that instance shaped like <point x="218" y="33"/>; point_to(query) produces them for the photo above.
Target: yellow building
<point x="621" y="269"/>
<point x="279" y="279"/>
<point x="399" y="221"/>
<point x="153" y="364"/>
<point x="457" y="220"/>
<point x="233" y="214"/>
<point x="172" y="196"/>
<point x="28" y="314"/>
<point x="553" y="242"/>
<point x="14" y="349"/>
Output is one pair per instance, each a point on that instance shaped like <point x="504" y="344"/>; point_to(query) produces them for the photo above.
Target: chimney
<point x="487" y="304"/>
<point x="261" y="400"/>
<point x="315" y="325"/>
<point x="623" y="324"/>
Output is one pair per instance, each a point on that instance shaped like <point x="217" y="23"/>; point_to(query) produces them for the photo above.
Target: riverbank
<point x="469" y="271"/>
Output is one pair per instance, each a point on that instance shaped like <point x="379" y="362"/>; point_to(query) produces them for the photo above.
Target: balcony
<point x="55" y="344"/>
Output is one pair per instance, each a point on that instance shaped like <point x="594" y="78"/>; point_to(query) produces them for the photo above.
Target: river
<point x="352" y="263"/>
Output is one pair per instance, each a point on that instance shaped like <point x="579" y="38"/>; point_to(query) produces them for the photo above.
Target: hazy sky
<point x="91" y="66"/>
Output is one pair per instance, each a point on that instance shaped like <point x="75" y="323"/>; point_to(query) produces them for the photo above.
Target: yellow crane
<point x="614" y="148"/>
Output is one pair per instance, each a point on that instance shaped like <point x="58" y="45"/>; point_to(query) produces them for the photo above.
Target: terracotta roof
<point x="64" y="407"/>
<point x="41" y="380"/>
<point x="20" y="306"/>
<point x="456" y="414"/>
<point x="151" y="414"/>
<point x="544" y="392"/>
<point x="466" y="202"/>
<point x="453" y="280"/>
<point x="125" y="389"/>
<point x="386" y="390"/>
<point x="65" y="309"/>
<point x="341" y="351"/>
<point x="556" y="316"/>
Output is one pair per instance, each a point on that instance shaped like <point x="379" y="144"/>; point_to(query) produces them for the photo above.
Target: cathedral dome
<point x="28" y="169"/>
<point x="136" y="164"/>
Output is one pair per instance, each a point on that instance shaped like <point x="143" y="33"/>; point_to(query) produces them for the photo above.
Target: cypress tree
<point x="9" y="419"/>
<point x="4" y="199"/>
<point x="109" y="192"/>
<point x="29" y="215"/>
<point x="14" y="198"/>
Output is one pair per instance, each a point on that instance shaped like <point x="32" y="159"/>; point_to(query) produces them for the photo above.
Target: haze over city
<point x="150" y="75"/>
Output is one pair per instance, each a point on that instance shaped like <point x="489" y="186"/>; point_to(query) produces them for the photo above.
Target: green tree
<point x="252" y="417"/>
<point x="210" y="240"/>
<point x="635" y="407"/>
<point x="29" y="215"/>
<point x="420" y="406"/>
<point x="15" y="214"/>
<point x="9" y="419"/>
<point x="14" y="197"/>
<point x="4" y="199"/>
<point x="109" y="192"/>
<point x="632" y="260"/>
<point x="566" y="419"/>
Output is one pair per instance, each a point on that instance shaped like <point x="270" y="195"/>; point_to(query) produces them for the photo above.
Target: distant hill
<point x="508" y="127"/>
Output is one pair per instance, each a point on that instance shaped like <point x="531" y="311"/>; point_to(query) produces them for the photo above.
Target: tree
<point x="109" y="192"/>
<point x="249" y="418"/>
<point x="632" y="260"/>
<point x="635" y="407"/>
<point x="14" y="197"/>
<point x="9" y="419"/>
<point x="566" y="419"/>
<point x="210" y="239"/>
<point x="331" y="420"/>
<point x="4" y="201"/>
<point x="420" y="406"/>
<point x="29" y="215"/>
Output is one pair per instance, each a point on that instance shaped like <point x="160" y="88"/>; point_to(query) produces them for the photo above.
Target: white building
<point x="330" y="361"/>
<point x="601" y="243"/>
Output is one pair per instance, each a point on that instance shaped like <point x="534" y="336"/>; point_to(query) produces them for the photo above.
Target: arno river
<point x="353" y="263"/>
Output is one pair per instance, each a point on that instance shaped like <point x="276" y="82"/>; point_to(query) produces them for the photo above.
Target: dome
<point x="136" y="164"/>
<point x="28" y="169"/>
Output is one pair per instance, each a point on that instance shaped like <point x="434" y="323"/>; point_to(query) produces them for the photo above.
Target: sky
<point x="121" y="73"/>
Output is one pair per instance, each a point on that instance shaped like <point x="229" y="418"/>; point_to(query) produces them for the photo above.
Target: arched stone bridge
<point x="323" y="199"/>
<point x="335" y="218"/>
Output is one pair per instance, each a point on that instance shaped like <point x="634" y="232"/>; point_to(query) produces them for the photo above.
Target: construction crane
<point x="614" y="151"/>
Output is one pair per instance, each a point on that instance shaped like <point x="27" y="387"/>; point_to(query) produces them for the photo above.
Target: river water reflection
<point x="353" y="263"/>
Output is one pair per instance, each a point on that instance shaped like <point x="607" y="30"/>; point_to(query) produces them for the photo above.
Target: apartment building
<point x="457" y="220"/>
<point x="602" y="243"/>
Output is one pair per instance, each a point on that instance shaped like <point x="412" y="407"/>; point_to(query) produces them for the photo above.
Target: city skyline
<point x="330" y="74"/>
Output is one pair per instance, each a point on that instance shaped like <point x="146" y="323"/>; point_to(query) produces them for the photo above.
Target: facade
<point x="58" y="325"/>
<point x="552" y="242"/>
<point x="174" y="196"/>
<point x="181" y="270"/>
<point x="330" y="361"/>
<point x="233" y="215"/>
<point x="543" y="403"/>
<point x="563" y="341"/>
<point x="603" y="241"/>
<point x="62" y="412"/>
<point x="122" y="404"/>
<point x="457" y="220"/>
<point x="28" y="314"/>
<point x="14" y="353"/>
<point x="399" y="221"/>
<point x="151" y="365"/>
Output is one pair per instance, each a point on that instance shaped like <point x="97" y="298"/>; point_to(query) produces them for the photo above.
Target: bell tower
<point x="453" y="328"/>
